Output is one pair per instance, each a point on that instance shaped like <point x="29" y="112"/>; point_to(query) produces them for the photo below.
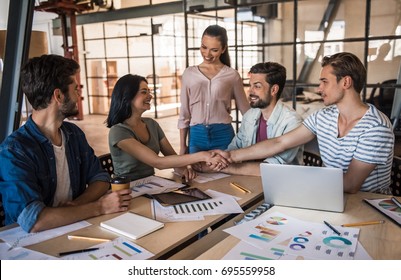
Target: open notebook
<point x="132" y="225"/>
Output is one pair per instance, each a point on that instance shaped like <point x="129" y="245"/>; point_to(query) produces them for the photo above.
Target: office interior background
<point x="159" y="39"/>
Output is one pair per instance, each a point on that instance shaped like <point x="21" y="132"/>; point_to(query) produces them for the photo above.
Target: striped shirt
<point x="371" y="140"/>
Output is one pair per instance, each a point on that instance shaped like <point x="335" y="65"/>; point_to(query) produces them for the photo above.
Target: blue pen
<point x="332" y="228"/>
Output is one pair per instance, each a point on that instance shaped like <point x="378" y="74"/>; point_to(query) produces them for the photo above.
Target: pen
<point x="363" y="223"/>
<point x="332" y="228"/>
<point x="87" y="238"/>
<point x="77" y="251"/>
<point x="396" y="202"/>
<point x="240" y="187"/>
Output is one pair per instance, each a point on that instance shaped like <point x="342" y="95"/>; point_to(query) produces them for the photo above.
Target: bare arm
<point x="356" y="174"/>
<point x="93" y="192"/>
<point x="51" y="217"/>
<point x="146" y="155"/>
<point x="186" y="172"/>
<point x="271" y="147"/>
<point x="183" y="141"/>
<point x="246" y="168"/>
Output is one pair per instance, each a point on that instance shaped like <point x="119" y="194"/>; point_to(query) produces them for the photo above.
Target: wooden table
<point x="171" y="238"/>
<point x="382" y="241"/>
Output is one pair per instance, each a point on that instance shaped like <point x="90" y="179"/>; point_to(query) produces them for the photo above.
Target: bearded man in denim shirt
<point x="49" y="175"/>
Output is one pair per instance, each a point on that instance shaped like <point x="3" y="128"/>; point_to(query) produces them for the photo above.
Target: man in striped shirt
<point x="351" y="134"/>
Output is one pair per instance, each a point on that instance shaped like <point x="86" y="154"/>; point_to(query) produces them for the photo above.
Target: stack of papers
<point x="219" y="203"/>
<point x="153" y="185"/>
<point x="277" y="236"/>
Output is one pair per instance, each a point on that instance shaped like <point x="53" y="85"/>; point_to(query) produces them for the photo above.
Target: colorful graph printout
<point x="118" y="249"/>
<point x="152" y="185"/>
<point x="386" y="207"/>
<point x="277" y="221"/>
<point x="389" y="205"/>
<point x="265" y="234"/>
<point x="296" y="239"/>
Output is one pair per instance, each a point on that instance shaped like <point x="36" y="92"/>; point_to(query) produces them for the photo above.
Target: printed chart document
<point x="279" y="236"/>
<point x="22" y="253"/>
<point x="387" y="207"/>
<point x="220" y="203"/>
<point x="132" y="225"/>
<point x="17" y="237"/>
<point x="117" y="249"/>
<point x="153" y="185"/>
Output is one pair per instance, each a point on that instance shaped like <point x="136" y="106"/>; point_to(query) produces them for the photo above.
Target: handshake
<point x="216" y="161"/>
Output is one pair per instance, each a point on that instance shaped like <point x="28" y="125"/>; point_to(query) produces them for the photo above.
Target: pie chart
<point x="389" y="205"/>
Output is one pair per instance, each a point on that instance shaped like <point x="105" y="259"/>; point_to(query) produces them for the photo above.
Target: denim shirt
<point x="282" y="120"/>
<point x="28" y="179"/>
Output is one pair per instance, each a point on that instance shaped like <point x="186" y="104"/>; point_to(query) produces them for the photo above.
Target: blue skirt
<point x="209" y="137"/>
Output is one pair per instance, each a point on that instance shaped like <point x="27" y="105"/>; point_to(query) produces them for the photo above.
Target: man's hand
<point x="117" y="201"/>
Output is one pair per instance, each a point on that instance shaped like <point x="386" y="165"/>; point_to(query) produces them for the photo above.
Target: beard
<point x="260" y="103"/>
<point x="69" y="107"/>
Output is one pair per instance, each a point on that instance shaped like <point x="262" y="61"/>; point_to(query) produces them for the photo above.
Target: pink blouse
<point x="205" y="101"/>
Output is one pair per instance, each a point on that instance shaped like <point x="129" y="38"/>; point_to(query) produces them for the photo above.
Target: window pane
<point x="94" y="49"/>
<point x="385" y="17"/>
<point x="116" y="47"/>
<point x="114" y="29"/>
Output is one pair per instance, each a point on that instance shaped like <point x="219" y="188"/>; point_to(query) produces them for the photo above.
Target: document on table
<point x="245" y="251"/>
<point x="282" y="236"/>
<point x="219" y="204"/>
<point x="21" y="253"/>
<point x="118" y="249"/>
<point x="152" y="185"/>
<point x="17" y="237"/>
<point x="207" y="177"/>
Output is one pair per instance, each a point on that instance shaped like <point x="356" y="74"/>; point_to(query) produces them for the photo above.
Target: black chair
<point x="107" y="163"/>
<point x="311" y="159"/>
<point x="384" y="100"/>
<point x="2" y="214"/>
<point x="396" y="177"/>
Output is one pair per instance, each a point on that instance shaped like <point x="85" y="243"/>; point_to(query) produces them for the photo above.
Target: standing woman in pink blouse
<point x="206" y="94"/>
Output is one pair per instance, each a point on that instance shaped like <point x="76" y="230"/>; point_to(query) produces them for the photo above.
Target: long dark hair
<point x="124" y="91"/>
<point x="220" y="33"/>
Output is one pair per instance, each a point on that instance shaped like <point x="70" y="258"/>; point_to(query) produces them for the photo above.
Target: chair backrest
<point x="396" y="177"/>
<point x="311" y="159"/>
<point x="2" y="213"/>
<point x="107" y="163"/>
<point x="384" y="100"/>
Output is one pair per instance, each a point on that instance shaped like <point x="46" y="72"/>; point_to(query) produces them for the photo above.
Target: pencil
<point x="363" y="223"/>
<point x="77" y="251"/>
<point x="332" y="228"/>
<point x="87" y="238"/>
<point x="245" y="190"/>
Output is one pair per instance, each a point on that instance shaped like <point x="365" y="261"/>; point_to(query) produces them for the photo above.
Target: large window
<point x="296" y="34"/>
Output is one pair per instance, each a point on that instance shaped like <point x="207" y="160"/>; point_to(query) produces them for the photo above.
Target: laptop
<point x="311" y="187"/>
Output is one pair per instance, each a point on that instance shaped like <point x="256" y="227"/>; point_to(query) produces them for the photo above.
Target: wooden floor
<point x="97" y="133"/>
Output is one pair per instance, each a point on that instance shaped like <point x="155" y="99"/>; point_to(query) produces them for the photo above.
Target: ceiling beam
<point x="127" y="13"/>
